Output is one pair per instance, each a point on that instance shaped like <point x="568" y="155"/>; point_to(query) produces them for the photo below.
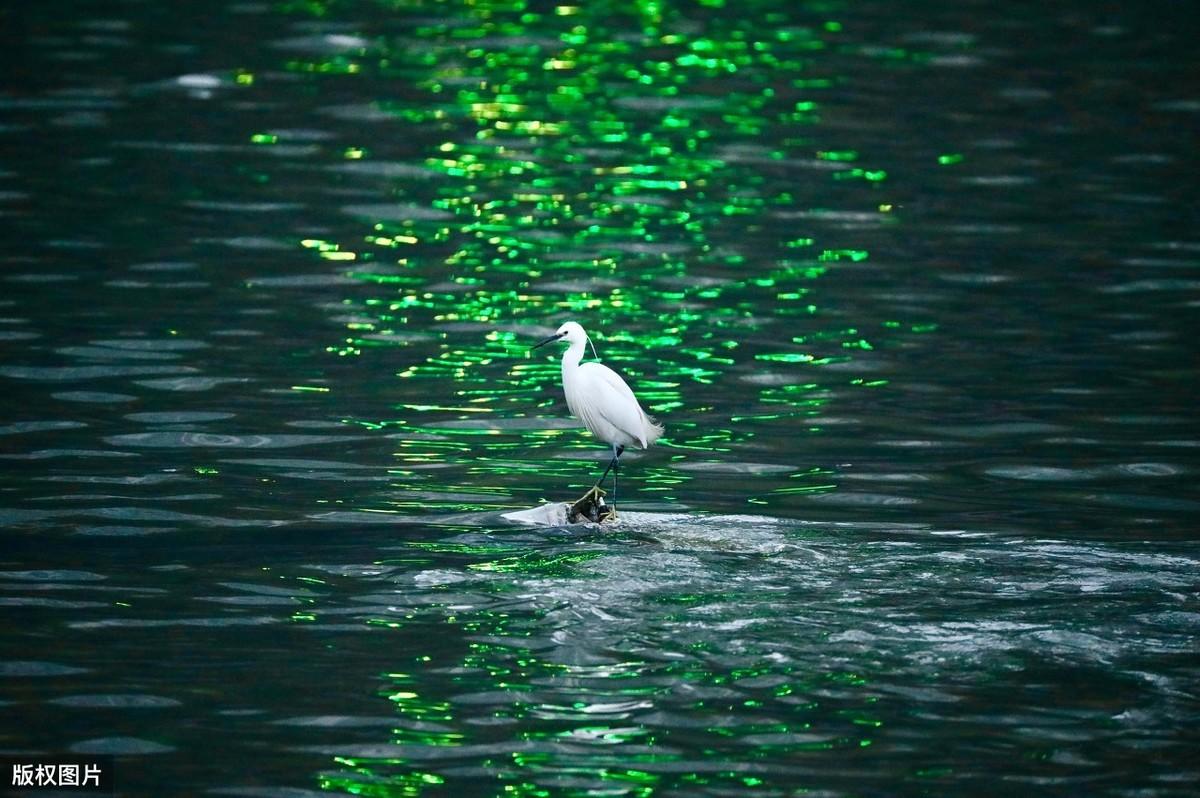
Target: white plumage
<point x="599" y="398"/>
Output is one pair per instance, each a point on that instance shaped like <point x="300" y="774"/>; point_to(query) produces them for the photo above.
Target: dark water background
<point x="913" y="288"/>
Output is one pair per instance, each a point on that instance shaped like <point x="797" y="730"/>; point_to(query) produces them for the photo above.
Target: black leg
<point x="616" y="468"/>
<point x="613" y="465"/>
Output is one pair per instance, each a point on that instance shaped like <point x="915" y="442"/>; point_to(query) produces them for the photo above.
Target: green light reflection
<point x="662" y="172"/>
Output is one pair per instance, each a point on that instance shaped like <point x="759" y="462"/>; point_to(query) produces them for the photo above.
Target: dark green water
<point x="914" y="290"/>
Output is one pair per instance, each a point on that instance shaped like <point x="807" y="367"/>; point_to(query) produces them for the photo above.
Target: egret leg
<point x="613" y="466"/>
<point x="616" y="470"/>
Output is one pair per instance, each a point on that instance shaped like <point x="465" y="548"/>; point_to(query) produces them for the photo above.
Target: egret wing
<point x="608" y="401"/>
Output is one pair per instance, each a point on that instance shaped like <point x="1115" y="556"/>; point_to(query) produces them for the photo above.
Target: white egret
<point x="597" y="396"/>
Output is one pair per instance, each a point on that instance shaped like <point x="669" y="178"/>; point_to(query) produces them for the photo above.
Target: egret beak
<point x="545" y="341"/>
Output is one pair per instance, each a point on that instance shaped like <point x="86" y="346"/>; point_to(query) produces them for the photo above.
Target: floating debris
<point x="591" y="507"/>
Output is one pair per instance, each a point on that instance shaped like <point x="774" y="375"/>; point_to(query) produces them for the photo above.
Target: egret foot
<point x="591" y="507"/>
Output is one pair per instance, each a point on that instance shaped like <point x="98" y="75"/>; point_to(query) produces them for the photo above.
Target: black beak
<point x="545" y="341"/>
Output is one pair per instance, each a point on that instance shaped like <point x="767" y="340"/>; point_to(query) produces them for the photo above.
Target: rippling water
<point x="913" y="291"/>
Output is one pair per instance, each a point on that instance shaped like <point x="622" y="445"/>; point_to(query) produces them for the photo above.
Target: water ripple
<point x="53" y="576"/>
<point x="179" y="416"/>
<point x="78" y="373"/>
<point x="22" y="427"/>
<point x="189" y="383"/>
<point x="22" y="668"/>
<point x="119" y="746"/>
<point x="93" y="397"/>
<point x="115" y="701"/>
<point x="183" y="440"/>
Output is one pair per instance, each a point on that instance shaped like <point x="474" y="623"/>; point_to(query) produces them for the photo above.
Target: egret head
<point x="570" y="332"/>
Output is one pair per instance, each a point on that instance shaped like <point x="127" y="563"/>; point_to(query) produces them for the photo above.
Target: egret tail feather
<point x="653" y="431"/>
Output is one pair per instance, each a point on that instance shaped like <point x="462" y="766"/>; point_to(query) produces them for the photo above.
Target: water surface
<point x="912" y="293"/>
